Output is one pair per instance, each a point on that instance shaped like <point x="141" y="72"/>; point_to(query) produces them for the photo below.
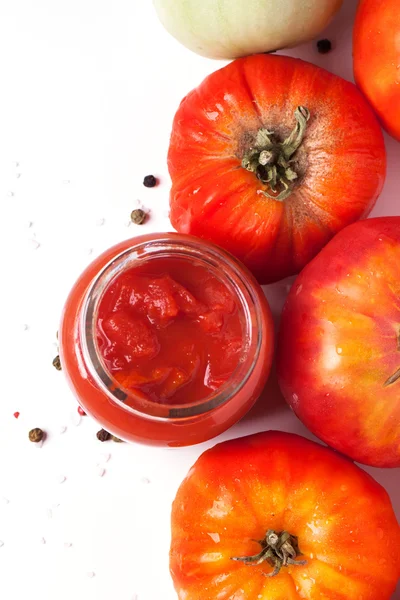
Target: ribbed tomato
<point x="269" y="158"/>
<point x="339" y="343"/>
<point x="376" y="50"/>
<point x="325" y="529"/>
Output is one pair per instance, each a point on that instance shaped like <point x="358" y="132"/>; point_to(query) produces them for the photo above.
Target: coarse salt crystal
<point x="91" y="574"/>
<point x="5" y="500"/>
<point x="63" y="428"/>
<point x="101" y="472"/>
<point x="100" y="222"/>
<point x="61" y="479"/>
<point x="49" y="513"/>
<point x="145" y="480"/>
<point x="105" y="457"/>
<point x="10" y="194"/>
<point x="1" y="543"/>
<point x="18" y="175"/>
<point x="67" y="544"/>
<point x="34" y="244"/>
<point x="42" y="540"/>
<point x="76" y="418"/>
<point x="215" y="537"/>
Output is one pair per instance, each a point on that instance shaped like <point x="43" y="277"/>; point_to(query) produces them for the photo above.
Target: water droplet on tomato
<point x="339" y="350"/>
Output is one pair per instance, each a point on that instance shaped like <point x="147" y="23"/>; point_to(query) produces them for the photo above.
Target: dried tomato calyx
<point x="278" y="549"/>
<point x="272" y="161"/>
<point x="392" y="379"/>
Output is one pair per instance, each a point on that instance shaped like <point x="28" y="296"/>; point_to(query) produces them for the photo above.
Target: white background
<point x="88" y="92"/>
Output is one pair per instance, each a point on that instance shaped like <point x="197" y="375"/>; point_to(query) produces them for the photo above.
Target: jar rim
<point x="178" y="246"/>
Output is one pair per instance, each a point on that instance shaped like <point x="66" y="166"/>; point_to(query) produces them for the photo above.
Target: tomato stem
<point x="278" y="549"/>
<point x="271" y="161"/>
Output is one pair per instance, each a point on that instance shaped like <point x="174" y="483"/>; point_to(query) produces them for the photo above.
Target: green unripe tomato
<point x="231" y="28"/>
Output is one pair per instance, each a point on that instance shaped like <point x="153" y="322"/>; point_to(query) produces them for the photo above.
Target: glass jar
<point x="148" y="421"/>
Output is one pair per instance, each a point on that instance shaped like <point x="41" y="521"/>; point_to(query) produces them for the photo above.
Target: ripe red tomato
<point x="324" y="525"/>
<point x="376" y="53"/>
<point x="269" y="158"/>
<point x="339" y="346"/>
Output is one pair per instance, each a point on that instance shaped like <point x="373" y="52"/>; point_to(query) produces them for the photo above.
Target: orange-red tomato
<point x="239" y="180"/>
<point x="376" y="50"/>
<point x="344" y="539"/>
<point x="339" y="343"/>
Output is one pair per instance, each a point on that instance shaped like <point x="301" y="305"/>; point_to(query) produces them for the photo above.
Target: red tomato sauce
<point x="170" y="333"/>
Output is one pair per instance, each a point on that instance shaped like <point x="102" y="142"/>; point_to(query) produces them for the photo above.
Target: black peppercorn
<point x="57" y="363"/>
<point x="324" y="46"/>
<point x="36" y="435"/>
<point x="138" y="216"/>
<point x="149" y="181"/>
<point x="103" y="435"/>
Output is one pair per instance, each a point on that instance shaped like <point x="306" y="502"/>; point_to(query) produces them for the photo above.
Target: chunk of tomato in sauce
<point x="136" y="379"/>
<point x="215" y="295"/>
<point x="169" y="334"/>
<point x="219" y="371"/>
<point x="187" y="303"/>
<point x="152" y="297"/>
<point x="211" y="322"/>
<point x="131" y="334"/>
<point x="174" y="382"/>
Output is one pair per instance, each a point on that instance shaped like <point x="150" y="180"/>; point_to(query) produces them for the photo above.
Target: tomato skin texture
<point x="376" y="53"/>
<point x="342" y="162"/>
<point x="239" y="489"/>
<point x="339" y="343"/>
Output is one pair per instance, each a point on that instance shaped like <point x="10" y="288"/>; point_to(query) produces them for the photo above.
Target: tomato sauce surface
<point x="170" y="333"/>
